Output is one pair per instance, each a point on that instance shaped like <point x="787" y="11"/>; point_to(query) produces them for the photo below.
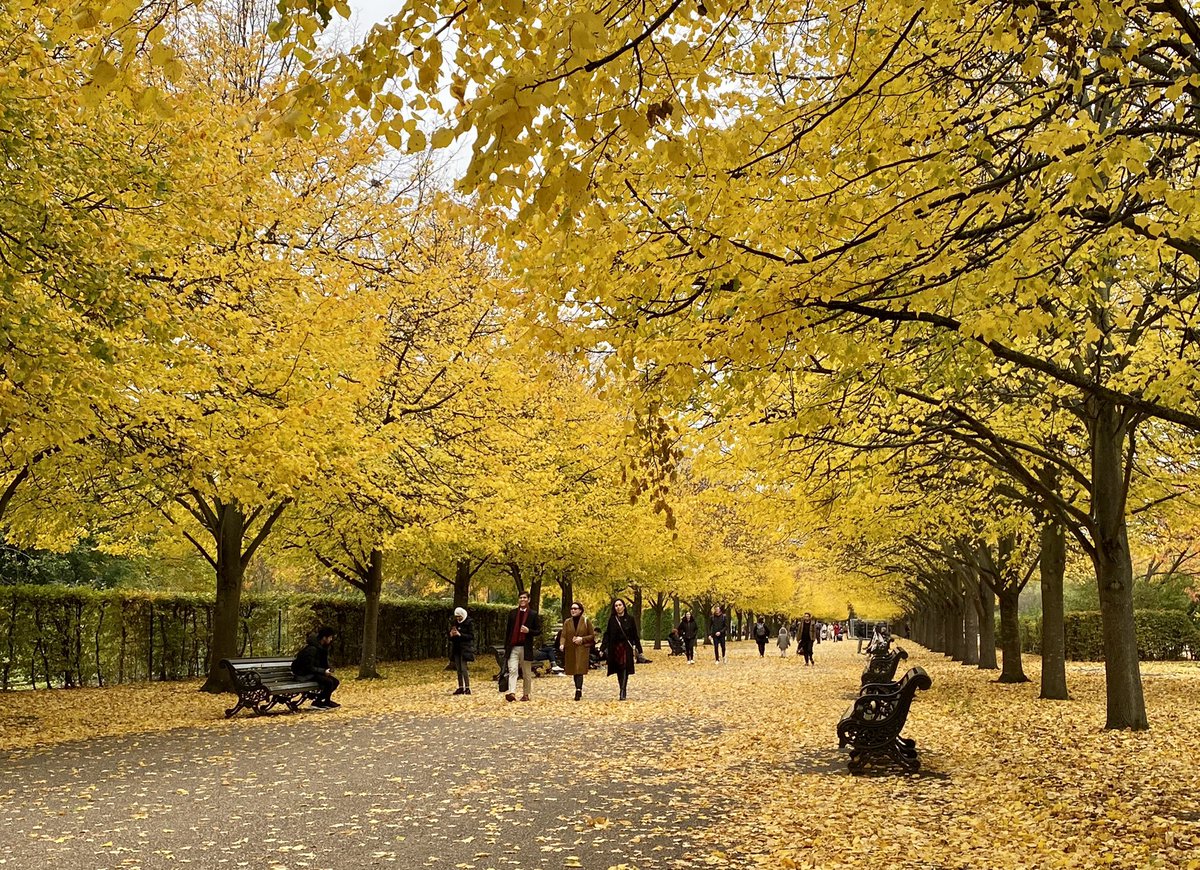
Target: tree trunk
<point x="1053" y="565"/>
<point x="970" y="622"/>
<point x="368" y="664"/>
<point x="566" y="583"/>
<point x="535" y="593"/>
<point x="959" y="652"/>
<point x="950" y="631"/>
<point x="987" y="628"/>
<point x="518" y="579"/>
<point x="1010" y="637"/>
<point x="1114" y="571"/>
<point x="675" y="616"/>
<point x="636" y="608"/>
<point x="462" y="582"/>
<point x="227" y="607"/>
<point x="659" y="605"/>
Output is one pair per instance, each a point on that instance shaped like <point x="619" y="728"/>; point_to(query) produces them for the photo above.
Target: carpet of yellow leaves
<point x="1007" y="781"/>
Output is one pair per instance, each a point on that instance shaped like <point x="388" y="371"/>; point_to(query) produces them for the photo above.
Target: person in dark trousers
<point x="312" y="663"/>
<point x="575" y="643"/>
<point x="761" y="633"/>
<point x="621" y="645"/>
<point x="718" y="629"/>
<point x="523" y="626"/>
<point x="688" y="629"/>
<point x="462" y="648"/>
<point x="808" y="636"/>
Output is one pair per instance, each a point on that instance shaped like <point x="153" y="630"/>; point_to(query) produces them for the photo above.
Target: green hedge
<point x="1163" y="635"/>
<point x="71" y="636"/>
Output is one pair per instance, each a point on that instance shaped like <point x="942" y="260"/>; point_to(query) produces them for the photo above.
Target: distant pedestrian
<point x="575" y="644"/>
<point x="523" y="626"/>
<point x="808" y="636"/>
<point x="761" y="633"/>
<point x="621" y="645"/>
<point x="718" y="629"/>
<point x="312" y="663"/>
<point x="688" y="629"/>
<point x="784" y="641"/>
<point x="462" y="648"/>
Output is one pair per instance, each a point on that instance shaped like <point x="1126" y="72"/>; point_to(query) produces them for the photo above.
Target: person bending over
<point x="312" y="663"/>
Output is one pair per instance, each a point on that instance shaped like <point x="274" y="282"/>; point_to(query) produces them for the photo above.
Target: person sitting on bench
<point x="312" y="663"/>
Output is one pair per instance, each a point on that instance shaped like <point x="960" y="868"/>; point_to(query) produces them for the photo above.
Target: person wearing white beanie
<point x="462" y="648"/>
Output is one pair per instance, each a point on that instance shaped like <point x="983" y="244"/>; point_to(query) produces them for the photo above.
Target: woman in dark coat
<point x="462" y="648"/>
<point x="621" y="644"/>
<point x="807" y="637"/>
<point x="688" y="630"/>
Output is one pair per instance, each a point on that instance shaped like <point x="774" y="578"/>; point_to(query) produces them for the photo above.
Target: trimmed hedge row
<point x="65" y="636"/>
<point x="1163" y="635"/>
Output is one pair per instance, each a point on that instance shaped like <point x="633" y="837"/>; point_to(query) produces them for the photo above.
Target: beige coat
<point x="575" y="655"/>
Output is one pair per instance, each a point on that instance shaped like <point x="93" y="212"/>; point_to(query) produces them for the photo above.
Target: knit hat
<point x="460" y="612"/>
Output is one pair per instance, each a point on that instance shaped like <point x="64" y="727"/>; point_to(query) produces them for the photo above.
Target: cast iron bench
<point x="262" y="683"/>
<point x="882" y="668"/>
<point x="871" y="725"/>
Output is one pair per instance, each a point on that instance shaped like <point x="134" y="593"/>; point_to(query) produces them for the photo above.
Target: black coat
<point x="313" y="659"/>
<point x="688" y="628"/>
<point x="719" y="625"/>
<point x="766" y="632"/>
<point x="621" y="630"/>
<point x="465" y="642"/>
<point x="532" y="621"/>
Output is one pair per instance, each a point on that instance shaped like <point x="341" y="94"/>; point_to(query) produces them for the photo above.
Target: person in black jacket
<point x="312" y="663"/>
<point x="718" y="629"/>
<point x="688" y="630"/>
<point x="621" y="644"/>
<point x="761" y="633"/>
<point x="523" y="626"/>
<point x="462" y="648"/>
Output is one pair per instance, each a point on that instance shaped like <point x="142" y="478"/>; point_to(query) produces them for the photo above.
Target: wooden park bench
<point x="881" y="668"/>
<point x="262" y="683"/>
<point x="871" y="726"/>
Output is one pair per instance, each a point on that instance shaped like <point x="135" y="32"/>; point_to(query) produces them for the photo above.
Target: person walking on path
<point x="523" y="626"/>
<point x="462" y="648"/>
<point x="688" y="629"/>
<point x="718" y="628"/>
<point x="575" y="644"/>
<point x="784" y="641"/>
<point x="808" y="636"/>
<point x="312" y="663"/>
<point x="621" y="645"/>
<point x="761" y="633"/>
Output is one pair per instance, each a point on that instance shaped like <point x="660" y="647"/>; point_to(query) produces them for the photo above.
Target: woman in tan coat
<point x="575" y="644"/>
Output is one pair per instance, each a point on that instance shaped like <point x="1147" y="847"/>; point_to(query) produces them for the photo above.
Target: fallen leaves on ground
<point x="737" y="766"/>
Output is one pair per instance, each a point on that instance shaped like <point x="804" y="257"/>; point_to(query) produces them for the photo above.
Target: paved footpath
<point x="332" y="791"/>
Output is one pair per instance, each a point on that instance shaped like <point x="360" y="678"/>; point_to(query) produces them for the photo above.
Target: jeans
<point x="328" y="685"/>
<point x="516" y="661"/>
<point x="719" y="646"/>
<point x="460" y="665"/>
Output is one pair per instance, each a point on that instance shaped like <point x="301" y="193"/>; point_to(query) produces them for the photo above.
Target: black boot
<point x="578" y="694"/>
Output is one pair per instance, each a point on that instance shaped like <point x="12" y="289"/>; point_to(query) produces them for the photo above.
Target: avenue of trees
<point x="781" y="303"/>
<point x="224" y="340"/>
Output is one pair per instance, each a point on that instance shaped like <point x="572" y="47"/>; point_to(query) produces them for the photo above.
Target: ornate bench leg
<point x="232" y="710"/>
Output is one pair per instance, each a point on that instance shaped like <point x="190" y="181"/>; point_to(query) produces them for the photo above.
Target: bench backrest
<point x="250" y="672"/>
